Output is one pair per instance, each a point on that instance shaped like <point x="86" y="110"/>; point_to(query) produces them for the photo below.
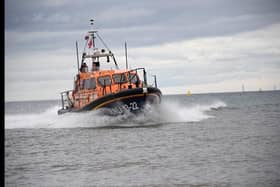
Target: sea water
<point x="225" y="139"/>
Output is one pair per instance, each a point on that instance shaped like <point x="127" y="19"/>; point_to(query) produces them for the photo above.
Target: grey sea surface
<point x="222" y="139"/>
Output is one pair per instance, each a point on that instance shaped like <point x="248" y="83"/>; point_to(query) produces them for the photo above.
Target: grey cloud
<point x="139" y="23"/>
<point x="74" y="14"/>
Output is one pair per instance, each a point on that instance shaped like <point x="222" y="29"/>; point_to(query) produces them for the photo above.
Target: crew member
<point x="84" y="67"/>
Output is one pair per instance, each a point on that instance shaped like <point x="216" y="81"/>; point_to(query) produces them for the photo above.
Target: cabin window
<point x="133" y="77"/>
<point x="86" y="84"/>
<point x="104" y="81"/>
<point x="89" y="83"/>
<point x="119" y="78"/>
<point x="92" y="83"/>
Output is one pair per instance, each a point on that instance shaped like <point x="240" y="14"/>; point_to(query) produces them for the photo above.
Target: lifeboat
<point x="112" y="91"/>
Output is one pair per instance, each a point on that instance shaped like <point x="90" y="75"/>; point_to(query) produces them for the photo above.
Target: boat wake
<point x="166" y="113"/>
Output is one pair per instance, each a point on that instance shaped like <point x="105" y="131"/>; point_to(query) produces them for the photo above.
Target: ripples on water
<point x="202" y="140"/>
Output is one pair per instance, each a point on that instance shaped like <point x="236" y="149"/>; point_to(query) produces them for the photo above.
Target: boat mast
<point x="77" y="53"/>
<point x="92" y="33"/>
<point x="126" y="63"/>
<point x="90" y="43"/>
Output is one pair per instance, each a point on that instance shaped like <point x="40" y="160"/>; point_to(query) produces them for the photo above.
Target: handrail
<point x="67" y="99"/>
<point x="136" y="69"/>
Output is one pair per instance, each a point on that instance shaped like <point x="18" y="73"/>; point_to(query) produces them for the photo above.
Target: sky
<point x="199" y="45"/>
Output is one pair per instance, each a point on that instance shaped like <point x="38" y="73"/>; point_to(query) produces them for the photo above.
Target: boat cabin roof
<point x="96" y="74"/>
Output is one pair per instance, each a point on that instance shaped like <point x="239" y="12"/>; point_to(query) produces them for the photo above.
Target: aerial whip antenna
<point x="77" y="53"/>
<point x="155" y="80"/>
<point x="126" y="63"/>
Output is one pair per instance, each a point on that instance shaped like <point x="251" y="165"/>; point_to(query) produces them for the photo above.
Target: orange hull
<point x="132" y="100"/>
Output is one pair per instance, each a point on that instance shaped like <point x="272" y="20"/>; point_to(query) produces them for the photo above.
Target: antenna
<point x="155" y="80"/>
<point x="126" y="63"/>
<point x="77" y="53"/>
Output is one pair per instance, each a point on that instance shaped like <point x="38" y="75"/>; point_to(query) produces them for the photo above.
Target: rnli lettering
<point x="131" y="106"/>
<point x="126" y="107"/>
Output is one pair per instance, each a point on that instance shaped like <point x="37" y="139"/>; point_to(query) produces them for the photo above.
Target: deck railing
<point x="134" y="74"/>
<point x="66" y="100"/>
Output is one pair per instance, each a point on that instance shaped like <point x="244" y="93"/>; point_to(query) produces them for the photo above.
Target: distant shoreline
<point x="235" y="92"/>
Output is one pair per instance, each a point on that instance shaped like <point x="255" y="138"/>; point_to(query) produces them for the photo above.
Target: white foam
<point x="177" y="112"/>
<point x="32" y="120"/>
<point x="167" y="112"/>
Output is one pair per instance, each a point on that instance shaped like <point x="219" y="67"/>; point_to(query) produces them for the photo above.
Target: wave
<point x="166" y="112"/>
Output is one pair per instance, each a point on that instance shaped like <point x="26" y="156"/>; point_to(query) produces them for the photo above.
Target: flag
<point x="90" y="43"/>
